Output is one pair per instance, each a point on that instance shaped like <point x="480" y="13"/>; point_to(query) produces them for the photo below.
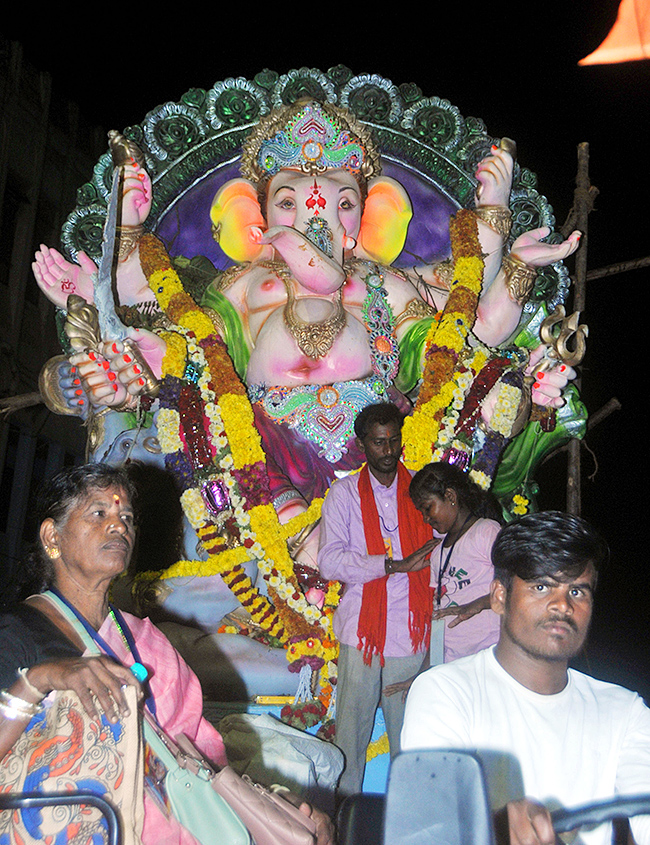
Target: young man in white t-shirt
<point x="548" y="736"/>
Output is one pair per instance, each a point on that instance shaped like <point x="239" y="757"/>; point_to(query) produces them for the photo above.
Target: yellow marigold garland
<point x="445" y="342"/>
<point x="377" y="747"/>
<point x="520" y="504"/>
<point x="228" y="408"/>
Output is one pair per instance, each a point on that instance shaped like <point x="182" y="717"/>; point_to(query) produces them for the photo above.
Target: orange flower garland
<point x="445" y="342"/>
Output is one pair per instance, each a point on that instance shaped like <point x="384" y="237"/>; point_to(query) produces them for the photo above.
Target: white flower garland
<point x="194" y="505"/>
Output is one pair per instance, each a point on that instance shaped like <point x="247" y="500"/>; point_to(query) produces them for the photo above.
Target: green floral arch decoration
<point x="184" y="141"/>
<point x="425" y="135"/>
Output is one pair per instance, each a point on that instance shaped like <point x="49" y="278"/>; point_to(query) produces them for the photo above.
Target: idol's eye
<point x="347" y="205"/>
<point x="286" y="204"/>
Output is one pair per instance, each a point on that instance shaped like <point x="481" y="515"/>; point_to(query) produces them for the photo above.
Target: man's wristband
<point x="388" y="565"/>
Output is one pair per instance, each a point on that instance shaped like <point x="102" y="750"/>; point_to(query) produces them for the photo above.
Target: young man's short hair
<point x="546" y="544"/>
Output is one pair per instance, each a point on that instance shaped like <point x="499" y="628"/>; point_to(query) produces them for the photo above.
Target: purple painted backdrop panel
<point x="428" y="235"/>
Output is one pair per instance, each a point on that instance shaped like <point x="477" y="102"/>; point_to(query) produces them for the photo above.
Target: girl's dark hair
<point x="434" y="479"/>
<point x="55" y="500"/>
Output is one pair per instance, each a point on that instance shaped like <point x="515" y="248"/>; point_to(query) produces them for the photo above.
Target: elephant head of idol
<point x="311" y="192"/>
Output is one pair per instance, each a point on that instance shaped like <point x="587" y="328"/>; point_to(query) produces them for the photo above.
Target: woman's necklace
<point x="137" y="669"/>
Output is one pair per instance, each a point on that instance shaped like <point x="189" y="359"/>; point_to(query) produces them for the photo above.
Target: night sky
<point x="515" y="68"/>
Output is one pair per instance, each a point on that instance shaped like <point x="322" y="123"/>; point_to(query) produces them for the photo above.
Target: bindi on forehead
<point x="109" y="496"/>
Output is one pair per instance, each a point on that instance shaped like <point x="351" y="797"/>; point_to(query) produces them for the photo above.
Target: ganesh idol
<point x="316" y="320"/>
<point x="314" y="228"/>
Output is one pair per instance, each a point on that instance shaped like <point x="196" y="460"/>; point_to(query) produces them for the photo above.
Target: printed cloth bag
<point x="185" y="784"/>
<point x="63" y="749"/>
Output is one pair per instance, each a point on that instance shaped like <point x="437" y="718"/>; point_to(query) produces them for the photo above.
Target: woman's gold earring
<point x="52" y="552"/>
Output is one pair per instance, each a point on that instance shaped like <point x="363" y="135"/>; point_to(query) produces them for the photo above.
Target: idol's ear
<point x="384" y="225"/>
<point x="236" y="217"/>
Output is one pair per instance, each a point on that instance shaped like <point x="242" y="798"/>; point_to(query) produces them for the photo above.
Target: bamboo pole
<point x="620" y="267"/>
<point x="582" y="204"/>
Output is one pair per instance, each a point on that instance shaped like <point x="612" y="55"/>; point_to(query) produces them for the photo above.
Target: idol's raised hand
<point x="58" y="278"/>
<point x="494" y="175"/>
<point x="532" y="250"/>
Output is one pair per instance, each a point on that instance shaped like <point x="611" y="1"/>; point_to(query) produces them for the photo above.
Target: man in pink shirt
<point x="372" y="537"/>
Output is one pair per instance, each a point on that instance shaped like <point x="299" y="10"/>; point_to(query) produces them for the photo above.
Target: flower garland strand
<point x="192" y="434"/>
<point x="207" y="425"/>
<point x="445" y="342"/>
<point x="457" y="376"/>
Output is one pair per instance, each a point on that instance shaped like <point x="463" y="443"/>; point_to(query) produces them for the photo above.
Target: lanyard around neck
<point x="443" y="567"/>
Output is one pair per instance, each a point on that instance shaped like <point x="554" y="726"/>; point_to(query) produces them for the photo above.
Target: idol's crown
<point x="311" y="137"/>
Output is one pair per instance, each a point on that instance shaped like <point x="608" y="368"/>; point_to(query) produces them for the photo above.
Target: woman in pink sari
<point x="87" y="533"/>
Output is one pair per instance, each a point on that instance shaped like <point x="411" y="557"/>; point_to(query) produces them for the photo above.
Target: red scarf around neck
<point x="413" y="533"/>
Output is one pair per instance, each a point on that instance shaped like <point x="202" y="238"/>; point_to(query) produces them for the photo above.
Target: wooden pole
<point x="16" y="403"/>
<point x="582" y="203"/>
<point x="621" y="267"/>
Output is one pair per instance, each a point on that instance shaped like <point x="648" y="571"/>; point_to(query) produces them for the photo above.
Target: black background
<point x="516" y="67"/>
